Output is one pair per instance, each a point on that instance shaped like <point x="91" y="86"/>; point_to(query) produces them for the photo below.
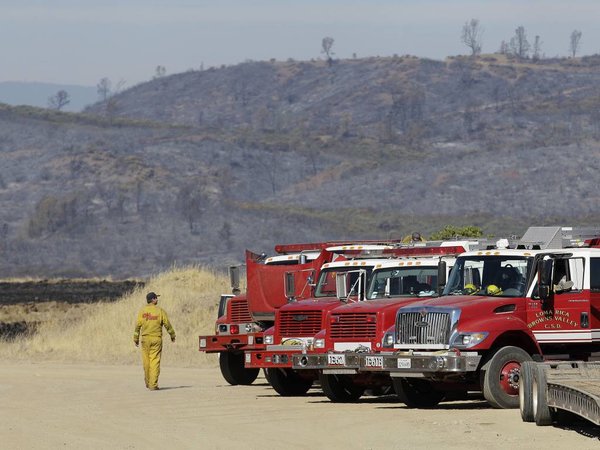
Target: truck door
<point x="564" y="317"/>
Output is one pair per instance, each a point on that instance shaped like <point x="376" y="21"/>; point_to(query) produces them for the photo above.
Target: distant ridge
<point x="37" y="94"/>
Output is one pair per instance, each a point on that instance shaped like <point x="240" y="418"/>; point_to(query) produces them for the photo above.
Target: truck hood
<point x="478" y="311"/>
<point x="324" y="303"/>
<point x="383" y="304"/>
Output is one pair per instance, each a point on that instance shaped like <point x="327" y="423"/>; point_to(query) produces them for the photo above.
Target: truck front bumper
<point x="273" y="356"/>
<point x="226" y="342"/>
<point x="407" y="364"/>
<point x="330" y="362"/>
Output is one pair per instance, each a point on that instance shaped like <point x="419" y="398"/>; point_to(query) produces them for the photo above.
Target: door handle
<point x="584" y="320"/>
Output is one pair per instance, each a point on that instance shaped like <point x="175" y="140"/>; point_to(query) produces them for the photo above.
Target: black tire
<point x="417" y="393"/>
<point x="266" y="375"/>
<point x="233" y="370"/>
<point x="542" y="413"/>
<point x="501" y="375"/>
<point x="288" y="383"/>
<point x="340" y="388"/>
<point x="526" y="377"/>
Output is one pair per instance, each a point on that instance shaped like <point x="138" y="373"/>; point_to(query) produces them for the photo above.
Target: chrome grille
<point x="299" y="323"/>
<point x="239" y="312"/>
<point x="353" y="325"/>
<point x="425" y="328"/>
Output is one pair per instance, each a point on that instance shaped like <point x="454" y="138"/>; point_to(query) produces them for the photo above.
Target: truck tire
<point x="417" y="393"/>
<point x="288" y="383"/>
<point x="340" y="388"/>
<point x="501" y="376"/>
<point x="526" y="391"/>
<point x="542" y="413"/>
<point x="233" y="370"/>
<point x="266" y="375"/>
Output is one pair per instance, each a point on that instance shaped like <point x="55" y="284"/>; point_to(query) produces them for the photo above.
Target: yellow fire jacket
<point x="150" y="321"/>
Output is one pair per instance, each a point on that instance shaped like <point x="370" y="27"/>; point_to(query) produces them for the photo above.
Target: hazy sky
<point x="81" y="41"/>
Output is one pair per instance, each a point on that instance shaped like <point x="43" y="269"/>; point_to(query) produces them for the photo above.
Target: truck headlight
<point x="319" y="343"/>
<point x="388" y="340"/>
<point x="468" y="340"/>
<point x="269" y="339"/>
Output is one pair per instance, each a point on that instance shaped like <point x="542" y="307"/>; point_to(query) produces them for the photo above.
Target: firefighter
<point x="411" y="239"/>
<point x="149" y="324"/>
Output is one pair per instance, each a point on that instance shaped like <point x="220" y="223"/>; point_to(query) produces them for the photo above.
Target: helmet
<point x="492" y="289"/>
<point x="470" y="289"/>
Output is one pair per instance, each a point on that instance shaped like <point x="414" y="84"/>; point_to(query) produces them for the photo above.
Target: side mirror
<point x="223" y="304"/>
<point x="290" y="288"/>
<point x="234" y="279"/>
<point x="441" y="277"/>
<point x="311" y="279"/>
<point x="388" y="287"/>
<point x="341" y="286"/>
<point x="545" y="279"/>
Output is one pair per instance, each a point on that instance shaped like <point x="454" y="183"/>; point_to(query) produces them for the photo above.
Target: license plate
<point x="373" y="361"/>
<point x="403" y="363"/>
<point x="336" y="360"/>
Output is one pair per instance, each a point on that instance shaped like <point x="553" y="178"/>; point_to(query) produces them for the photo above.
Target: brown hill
<point x="197" y="166"/>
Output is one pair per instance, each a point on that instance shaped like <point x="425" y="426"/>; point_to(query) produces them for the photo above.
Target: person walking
<point x="149" y="323"/>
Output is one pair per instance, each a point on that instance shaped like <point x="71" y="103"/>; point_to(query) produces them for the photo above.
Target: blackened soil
<point x="15" y="329"/>
<point x="68" y="291"/>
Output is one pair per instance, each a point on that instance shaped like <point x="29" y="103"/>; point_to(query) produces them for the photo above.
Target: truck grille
<point x="419" y="328"/>
<point x="239" y="312"/>
<point x="353" y="325"/>
<point x="299" y="323"/>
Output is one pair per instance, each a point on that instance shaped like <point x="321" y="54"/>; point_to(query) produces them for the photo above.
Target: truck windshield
<point x="403" y="281"/>
<point x="496" y="275"/>
<point x="326" y="284"/>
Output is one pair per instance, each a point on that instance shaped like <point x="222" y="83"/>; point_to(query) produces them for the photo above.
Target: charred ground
<point x="196" y="167"/>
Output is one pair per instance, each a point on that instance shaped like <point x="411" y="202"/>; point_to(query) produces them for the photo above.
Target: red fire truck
<point x="539" y="300"/>
<point x="297" y="322"/>
<point x="243" y="318"/>
<point x="358" y="327"/>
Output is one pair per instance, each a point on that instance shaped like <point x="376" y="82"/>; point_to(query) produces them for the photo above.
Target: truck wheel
<point x="233" y="370"/>
<point x="288" y="383"/>
<point x="266" y="374"/>
<point x="542" y="412"/>
<point x="526" y="391"/>
<point x="340" y="388"/>
<point x="416" y="393"/>
<point x="501" y="376"/>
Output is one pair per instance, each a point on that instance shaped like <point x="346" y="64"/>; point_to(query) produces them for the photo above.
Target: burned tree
<point x="59" y="100"/>
<point x="574" y="43"/>
<point x="471" y="36"/>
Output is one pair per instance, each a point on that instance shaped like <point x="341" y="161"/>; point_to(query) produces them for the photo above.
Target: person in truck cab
<point x="509" y="278"/>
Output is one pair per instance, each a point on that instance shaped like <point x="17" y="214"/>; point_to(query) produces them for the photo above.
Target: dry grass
<point x="103" y="332"/>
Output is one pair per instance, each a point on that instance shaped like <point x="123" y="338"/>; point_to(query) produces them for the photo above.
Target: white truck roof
<point x="291" y="257"/>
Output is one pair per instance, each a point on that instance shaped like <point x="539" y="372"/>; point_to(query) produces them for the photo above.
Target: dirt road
<point x="80" y="406"/>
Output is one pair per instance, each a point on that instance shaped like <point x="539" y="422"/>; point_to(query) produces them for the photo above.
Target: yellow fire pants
<point x="151" y="350"/>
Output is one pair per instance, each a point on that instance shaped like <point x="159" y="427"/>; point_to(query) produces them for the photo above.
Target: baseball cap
<point x="151" y="296"/>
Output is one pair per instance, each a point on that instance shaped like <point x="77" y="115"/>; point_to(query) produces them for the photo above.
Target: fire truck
<point x="538" y="299"/>
<point x="358" y="327"/>
<point x="297" y="322"/>
<point x="243" y="317"/>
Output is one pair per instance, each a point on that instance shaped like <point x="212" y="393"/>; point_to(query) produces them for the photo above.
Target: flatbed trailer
<point x="549" y="388"/>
